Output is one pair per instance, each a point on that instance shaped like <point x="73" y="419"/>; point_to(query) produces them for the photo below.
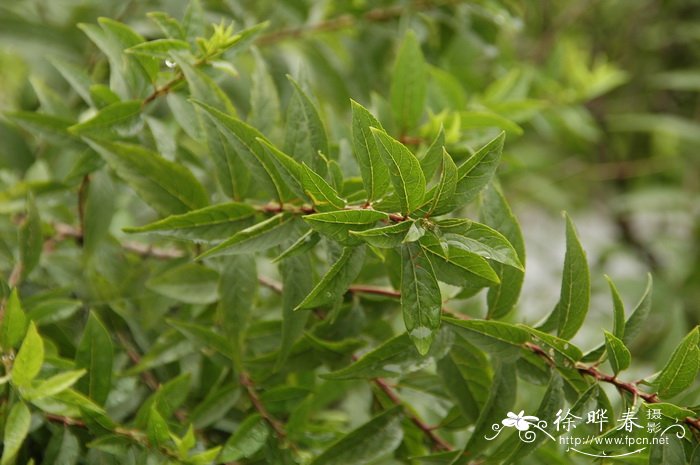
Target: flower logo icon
<point x="521" y="422"/>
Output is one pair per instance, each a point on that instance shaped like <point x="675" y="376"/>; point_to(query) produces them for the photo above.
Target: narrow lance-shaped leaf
<point x="306" y="136"/>
<point x="430" y="162"/>
<point x="395" y="357"/>
<point x="16" y="429"/>
<point x="189" y="282"/>
<point x="159" y="48"/>
<point x="337" y="225"/>
<point x="408" y="83"/>
<point x="570" y="312"/>
<point x="95" y="353"/>
<point x="29" y="358"/>
<point x="248" y="438"/>
<point x="456" y="264"/>
<point x="404" y="171"/>
<point x="385" y="237"/>
<point x="445" y="189"/>
<point x="618" y="310"/>
<point x="618" y="355"/>
<point x="496" y="213"/>
<point x="336" y="281"/>
<point x="421" y="302"/>
<point x="475" y="173"/>
<point x="682" y="368"/>
<point x="375" y="174"/>
<point x="31" y="239"/>
<point x="238" y="285"/>
<point x="479" y="239"/>
<point x="297" y="282"/>
<point x="376" y="438"/>
<point x="500" y="400"/>
<point x="324" y="197"/>
<point x="167" y="186"/>
<point x="256" y="238"/>
<point x="119" y="118"/>
<point x="13" y="324"/>
<point x="640" y="313"/>
<point x="246" y="145"/>
<point x="212" y="223"/>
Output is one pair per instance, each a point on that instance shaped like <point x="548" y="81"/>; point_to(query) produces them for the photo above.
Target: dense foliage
<point x="280" y="232"/>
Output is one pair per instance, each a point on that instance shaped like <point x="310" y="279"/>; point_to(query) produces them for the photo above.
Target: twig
<point x="270" y="284"/>
<point x="274" y="423"/>
<point x="148" y="377"/>
<point x="438" y="442"/>
<point x="594" y="372"/>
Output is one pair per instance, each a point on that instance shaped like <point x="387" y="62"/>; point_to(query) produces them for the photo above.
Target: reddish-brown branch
<point x="594" y="372"/>
<point x="274" y="423"/>
<point x="66" y="421"/>
<point x="428" y="431"/>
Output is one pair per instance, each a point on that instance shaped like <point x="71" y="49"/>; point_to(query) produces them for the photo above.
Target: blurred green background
<point x="600" y="100"/>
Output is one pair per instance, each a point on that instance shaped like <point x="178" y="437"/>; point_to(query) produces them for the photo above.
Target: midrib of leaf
<point x="370" y="195"/>
<point x="404" y="199"/>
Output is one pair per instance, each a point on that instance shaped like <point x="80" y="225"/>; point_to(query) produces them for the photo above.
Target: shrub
<point x="212" y="267"/>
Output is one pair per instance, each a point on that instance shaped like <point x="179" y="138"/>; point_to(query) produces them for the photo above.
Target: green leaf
<point x="501" y="399"/>
<point x="481" y="119"/>
<point x="264" y="98"/>
<point x="496" y="212"/>
<point x="442" y="194"/>
<point x="301" y="245"/>
<point x="170" y="26"/>
<point x="238" y="287"/>
<point x="119" y="118"/>
<point x="562" y="346"/>
<point x="157" y="429"/>
<point x="618" y="310"/>
<point x="31" y="239"/>
<point x="456" y="265"/>
<point x="479" y="239"/>
<point x="305" y="136"/>
<point x="207" y="224"/>
<point x="375" y="174"/>
<point x="465" y="375"/>
<point x="190" y="283"/>
<point x="54" y="128"/>
<point x="100" y="205"/>
<point x="477" y="171"/>
<point x="204" y="336"/>
<point x="371" y="441"/>
<point x="421" y="302"/>
<point x="297" y="282"/>
<point x="159" y="48"/>
<point x="323" y="196"/>
<point x="167" y="186"/>
<point x="433" y="156"/>
<point x="75" y="76"/>
<point x="13" y="324"/>
<point x="496" y="337"/>
<point x="29" y="358"/>
<point x="404" y="170"/>
<point x="95" y="353"/>
<point x="337" y="225"/>
<point x="618" y="355"/>
<point x="385" y="237"/>
<point x="256" y="238"/>
<point x="16" y="429"/>
<point x="248" y="439"/>
<point x="290" y="171"/>
<point x="54" y="385"/>
<point x="395" y="357"/>
<point x="682" y="368"/>
<point x="570" y="312"/>
<point x="245" y="141"/>
<point x="408" y="83"/>
<point x="336" y="281"/>
<point x="641" y="311"/>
